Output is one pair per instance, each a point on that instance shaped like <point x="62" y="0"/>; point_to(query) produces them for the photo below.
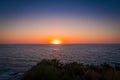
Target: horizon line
<point x="51" y="44"/>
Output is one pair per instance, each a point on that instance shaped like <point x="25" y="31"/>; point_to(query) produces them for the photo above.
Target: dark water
<point x="22" y="57"/>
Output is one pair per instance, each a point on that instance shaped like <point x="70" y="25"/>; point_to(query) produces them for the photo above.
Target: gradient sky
<point x="73" y="21"/>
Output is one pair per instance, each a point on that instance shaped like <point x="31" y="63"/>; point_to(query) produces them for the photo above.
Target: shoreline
<point x="60" y="66"/>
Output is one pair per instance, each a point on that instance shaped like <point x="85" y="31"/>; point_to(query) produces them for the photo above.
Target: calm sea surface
<point x="22" y="57"/>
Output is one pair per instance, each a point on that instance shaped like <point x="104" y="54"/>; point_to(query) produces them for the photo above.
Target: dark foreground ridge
<point x="54" y="70"/>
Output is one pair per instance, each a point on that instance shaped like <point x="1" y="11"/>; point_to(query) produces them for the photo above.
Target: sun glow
<point x="56" y="41"/>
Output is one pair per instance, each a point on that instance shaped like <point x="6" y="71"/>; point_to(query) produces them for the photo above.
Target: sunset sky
<point x="71" y="21"/>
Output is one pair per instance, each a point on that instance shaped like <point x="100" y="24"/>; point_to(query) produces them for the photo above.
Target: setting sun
<point x="56" y="41"/>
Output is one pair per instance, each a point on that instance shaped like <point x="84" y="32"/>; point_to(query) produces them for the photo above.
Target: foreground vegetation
<point x="54" y="70"/>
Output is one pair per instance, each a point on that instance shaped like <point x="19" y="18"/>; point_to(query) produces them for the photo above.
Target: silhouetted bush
<point x="54" y="70"/>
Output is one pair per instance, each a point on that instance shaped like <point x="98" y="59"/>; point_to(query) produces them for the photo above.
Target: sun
<point x="56" y="41"/>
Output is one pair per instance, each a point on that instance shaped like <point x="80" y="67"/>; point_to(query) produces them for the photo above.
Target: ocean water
<point x="20" y="58"/>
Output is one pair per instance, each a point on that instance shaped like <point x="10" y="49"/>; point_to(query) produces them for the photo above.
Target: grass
<point x="54" y="70"/>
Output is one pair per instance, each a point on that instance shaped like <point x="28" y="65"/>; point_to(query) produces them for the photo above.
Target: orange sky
<point x="69" y="30"/>
<point x="71" y="21"/>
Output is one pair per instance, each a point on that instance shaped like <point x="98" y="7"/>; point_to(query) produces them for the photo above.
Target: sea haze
<point x="20" y="58"/>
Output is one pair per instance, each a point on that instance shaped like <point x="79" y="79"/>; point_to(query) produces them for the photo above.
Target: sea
<point x="16" y="59"/>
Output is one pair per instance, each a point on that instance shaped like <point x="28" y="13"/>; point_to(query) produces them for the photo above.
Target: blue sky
<point x="94" y="8"/>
